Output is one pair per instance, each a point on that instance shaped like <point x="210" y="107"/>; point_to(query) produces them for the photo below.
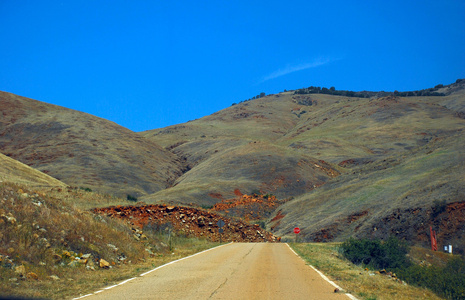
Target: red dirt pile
<point x="189" y="221"/>
<point x="248" y="207"/>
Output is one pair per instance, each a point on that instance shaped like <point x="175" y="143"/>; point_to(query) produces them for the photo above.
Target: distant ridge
<point x="438" y="90"/>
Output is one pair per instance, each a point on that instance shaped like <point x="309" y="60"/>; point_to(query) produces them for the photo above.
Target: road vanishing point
<point x="232" y="271"/>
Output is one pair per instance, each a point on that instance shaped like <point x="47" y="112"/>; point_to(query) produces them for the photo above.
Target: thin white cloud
<point x="294" y="68"/>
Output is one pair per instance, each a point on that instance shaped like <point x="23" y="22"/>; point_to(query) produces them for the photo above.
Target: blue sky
<point x="151" y="64"/>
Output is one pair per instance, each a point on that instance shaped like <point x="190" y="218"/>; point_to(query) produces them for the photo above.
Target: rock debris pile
<point x="189" y="221"/>
<point x="249" y="207"/>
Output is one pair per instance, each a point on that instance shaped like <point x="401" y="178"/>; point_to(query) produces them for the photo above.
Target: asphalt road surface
<point x="233" y="271"/>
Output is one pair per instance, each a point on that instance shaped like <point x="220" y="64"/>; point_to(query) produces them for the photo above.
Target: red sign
<point x="296" y="230"/>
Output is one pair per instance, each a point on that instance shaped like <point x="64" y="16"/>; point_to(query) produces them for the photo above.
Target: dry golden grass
<point x="47" y="236"/>
<point x="361" y="283"/>
<point x="75" y="282"/>
<point x="15" y="171"/>
<point x="86" y="200"/>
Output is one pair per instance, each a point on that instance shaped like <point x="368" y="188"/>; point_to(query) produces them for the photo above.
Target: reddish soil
<point x="413" y="224"/>
<point x="346" y="163"/>
<point x="325" y="167"/>
<point x="278" y="216"/>
<point x="190" y="221"/>
<point x="248" y="207"/>
<point x="276" y="220"/>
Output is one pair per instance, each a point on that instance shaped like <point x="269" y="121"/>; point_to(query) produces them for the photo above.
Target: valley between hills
<point x="337" y="164"/>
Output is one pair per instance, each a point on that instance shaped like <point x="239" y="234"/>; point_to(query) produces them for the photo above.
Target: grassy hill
<point x="83" y="150"/>
<point x="17" y="172"/>
<point x="348" y="163"/>
<point x="398" y="154"/>
<point x="242" y="148"/>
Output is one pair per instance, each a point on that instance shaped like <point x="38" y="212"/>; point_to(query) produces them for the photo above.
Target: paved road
<point x="234" y="271"/>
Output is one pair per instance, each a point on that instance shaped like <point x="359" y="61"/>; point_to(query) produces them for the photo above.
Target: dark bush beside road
<point x="448" y="281"/>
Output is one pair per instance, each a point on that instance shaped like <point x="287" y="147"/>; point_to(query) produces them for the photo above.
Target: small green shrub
<point x="262" y="224"/>
<point x="85" y="189"/>
<point x="131" y="198"/>
<point x="376" y="254"/>
<point x="448" y="282"/>
<point x="205" y="206"/>
<point x="255" y="192"/>
<point x="439" y="207"/>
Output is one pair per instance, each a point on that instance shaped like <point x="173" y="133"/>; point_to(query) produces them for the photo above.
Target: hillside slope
<point x="17" y="172"/>
<point x="240" y="148"/>
<point x="340" y="157"/>
<point x="83" y="150"/>
<point x="400" y="195"/>
<point x="403" y="160"/>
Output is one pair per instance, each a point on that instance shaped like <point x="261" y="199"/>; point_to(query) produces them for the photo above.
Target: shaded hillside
<point x="14" y="171"/>
<point x="83" y="150"/>
<point x="338" y="156"/>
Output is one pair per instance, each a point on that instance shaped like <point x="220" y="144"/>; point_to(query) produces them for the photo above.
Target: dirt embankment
<point x="190" y="221"/>
<point x="448" y="220"/>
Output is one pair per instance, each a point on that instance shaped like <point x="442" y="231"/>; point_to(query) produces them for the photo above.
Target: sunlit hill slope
<point x="348" y="163"/>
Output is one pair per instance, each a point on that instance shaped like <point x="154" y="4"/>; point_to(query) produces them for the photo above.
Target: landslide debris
<point x="189" y="221"/>
<point x="249" y="207"/>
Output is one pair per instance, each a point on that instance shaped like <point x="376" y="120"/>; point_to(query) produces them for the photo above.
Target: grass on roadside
<point x="361" y="283"/>
<point x="78" y="281"/>
<point x="182" y="247"/>
<point x="391" y="256"/>
<point x="51" y="248"/>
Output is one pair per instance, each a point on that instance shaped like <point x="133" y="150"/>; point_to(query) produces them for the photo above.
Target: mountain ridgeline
<point x="438" y="90"/>
<point x="368" y="164"/>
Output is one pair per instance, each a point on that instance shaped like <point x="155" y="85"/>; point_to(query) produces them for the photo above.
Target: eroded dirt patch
<point x="249" y="207"/>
